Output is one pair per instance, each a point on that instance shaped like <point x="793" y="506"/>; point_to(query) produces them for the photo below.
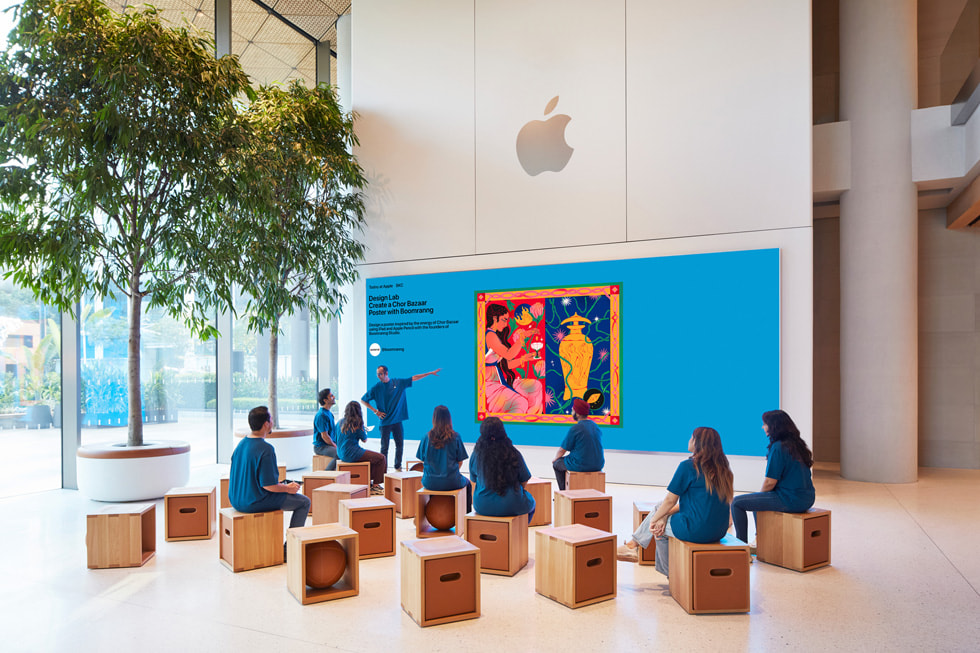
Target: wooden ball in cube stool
<point x="225" y="502"/>
<point x="121" y="536"/>
<point x="298" y="544"/>
<point x="710" y="578"/>
<point x="422" y="526"/>
<point x="502" y="542"/>
<point x="400" y="489"/>
<point x="575" y="565"/>
<point x="798" y="541"/>
<point x="250" y="540"/>
<point x="440" y="580"/>
<point x="374" y="520"/>
<point x="415" y="466"/>
<point x="326" y="500"/>
<point x="540" y="489"/>
<point x="360" y="473"/>
<point x="320" y="463"/>
<point x="587" y="507"/>
<point x="189" y="513"/>
<point x="647" y="555"/>
<point x="585" y="481"/>
<point x="314" y="480"/>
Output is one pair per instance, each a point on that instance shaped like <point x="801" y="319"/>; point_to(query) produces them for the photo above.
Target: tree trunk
<point x="133" y="378"/>
<point x="273" y="374"/>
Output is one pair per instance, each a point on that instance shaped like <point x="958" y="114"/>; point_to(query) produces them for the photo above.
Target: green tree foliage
<point x="117" y="133"/>
<point x="303" y="212"/>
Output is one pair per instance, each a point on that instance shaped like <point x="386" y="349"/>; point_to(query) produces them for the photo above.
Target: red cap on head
<point x="580" y="406"/>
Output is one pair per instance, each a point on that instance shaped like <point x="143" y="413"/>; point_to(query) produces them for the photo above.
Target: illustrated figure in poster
<point x="507" y="392"/>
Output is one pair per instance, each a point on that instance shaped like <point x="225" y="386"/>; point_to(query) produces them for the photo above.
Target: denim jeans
<point x="328" y="450"/>
<point x="643" y="536"/>
<point x="753" y="503"/>
<point x="300" y="505"/>
<point x="394" y="431"/>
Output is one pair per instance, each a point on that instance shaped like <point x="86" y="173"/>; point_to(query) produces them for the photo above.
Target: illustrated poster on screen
<point x="539" y="349"/>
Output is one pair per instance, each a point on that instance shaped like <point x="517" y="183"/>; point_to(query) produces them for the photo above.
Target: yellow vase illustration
<point x="575" y="351"/>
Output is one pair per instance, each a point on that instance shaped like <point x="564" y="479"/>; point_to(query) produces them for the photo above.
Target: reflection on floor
<point x="905" y="576"/>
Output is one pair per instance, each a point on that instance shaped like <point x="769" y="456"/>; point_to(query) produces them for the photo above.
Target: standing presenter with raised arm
<point x="391" y="407"/>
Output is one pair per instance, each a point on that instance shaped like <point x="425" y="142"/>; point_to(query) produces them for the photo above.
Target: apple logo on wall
<point x="541" y="144"/>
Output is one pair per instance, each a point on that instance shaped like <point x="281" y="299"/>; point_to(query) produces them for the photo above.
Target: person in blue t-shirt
<point x="442" y="453"/>
<point x="582" y="443"/>
<point x="350" y="433"/>
<point x="500" y="474"/>
<point x="788" y="486"/>
<point x="697" y="502"/>
<point x="324" y="428"/>
<point x="392" y="408"/>
<point x="253" y="483"/>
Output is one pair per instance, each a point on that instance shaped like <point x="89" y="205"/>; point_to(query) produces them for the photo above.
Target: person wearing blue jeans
<point x="392" y="408"/>
<point x="788" y="486"/>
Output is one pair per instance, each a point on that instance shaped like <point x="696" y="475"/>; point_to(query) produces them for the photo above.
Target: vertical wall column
<point x="878" y="242"/>
<point x="349" y="382"/>
<point x="71" y="408"/>
<point x="225" y="342"/>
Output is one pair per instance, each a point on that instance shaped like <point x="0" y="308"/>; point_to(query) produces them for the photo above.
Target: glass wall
<point x="30" y="393"/>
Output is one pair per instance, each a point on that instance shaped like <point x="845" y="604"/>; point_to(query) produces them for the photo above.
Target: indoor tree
<point x="117" y="133"/>
<point x="303" y="212"/>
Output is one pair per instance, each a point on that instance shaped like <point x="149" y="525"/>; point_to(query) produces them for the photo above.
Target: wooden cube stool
<point x="360" y="473"/>
<point x="400" y="489"/>
<point x="585" y="481"/>
<point x="121" y="536"/>
<point x="648" y="555"/>
<point x="424" y="528"/>
<point x="440" y="580"/>
<point x="374" y="520"/>
<point x="326" y="500"/>
<point x="250" y="540"/>
<point x="189" y="513"/>
<point x="710" y="578"/>
<point x="322" y="563"/>
<point x="575" y="565"/>
<point x="587" y="507"/>
<point x="282" y="472"/>
<point x="540" y="489"/>
<point x="223" y="482"/>
<point x="320" y="463"/>
<point x="314" y="480"/>
<point x="799" y="541"/>
<point x="502" y="542"/>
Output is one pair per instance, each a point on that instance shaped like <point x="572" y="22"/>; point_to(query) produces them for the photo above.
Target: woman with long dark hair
<point x="506" y="391"/>
<point x="788" y="486"/>
<point x="442" y="454"/>
<point x="697" y="502"/>
<point x="499" y="472"/>
<point x="350" y="432"/>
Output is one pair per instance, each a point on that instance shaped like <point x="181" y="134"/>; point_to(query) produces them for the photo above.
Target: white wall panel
<point x="526" y="54"/>
<point x="412" y="88"/>
<point x="718" y="116"/>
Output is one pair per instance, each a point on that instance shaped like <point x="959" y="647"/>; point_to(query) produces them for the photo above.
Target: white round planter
<point x="294" y="447"/>
<point x="117" y="472"/>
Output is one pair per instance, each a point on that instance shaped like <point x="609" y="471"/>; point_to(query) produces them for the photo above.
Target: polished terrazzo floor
<point x="905" y="576"/>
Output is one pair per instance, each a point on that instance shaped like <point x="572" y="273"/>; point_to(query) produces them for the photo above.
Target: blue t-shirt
<point x="441" y="470"/>
<point x="794" y="484"/>
<point x="583" y="442"/>
<point x="389" y="398"/>
<point x="348" y="447"/>
<point x="323" y="423"/>
<point x="515" y="501"/>
<point x="253" y="466"/>
<point x="703" y="516"/>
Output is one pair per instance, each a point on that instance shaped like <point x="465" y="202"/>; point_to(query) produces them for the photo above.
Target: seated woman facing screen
<point x="350" y="432"/>
<point x="697" y="502"/>
<point x="499" y="471"/>
<point x="442" y="454"/>
<point x="788" y="486"/>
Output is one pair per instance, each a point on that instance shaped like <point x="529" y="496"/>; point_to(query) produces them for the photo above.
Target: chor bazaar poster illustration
<point x="539" y="349"/>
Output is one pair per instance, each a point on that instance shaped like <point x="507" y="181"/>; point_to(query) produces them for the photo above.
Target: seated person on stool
<point x="697" y="502"/>
<point x="442" y="453"/>
<point x="253" y="483"/>
<point x="350" y="431"/>
<point x="582" y="443"/>
<point x="499" y="471"/>
<point x="788" y="486"/>
<point x="324" y="429"/>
